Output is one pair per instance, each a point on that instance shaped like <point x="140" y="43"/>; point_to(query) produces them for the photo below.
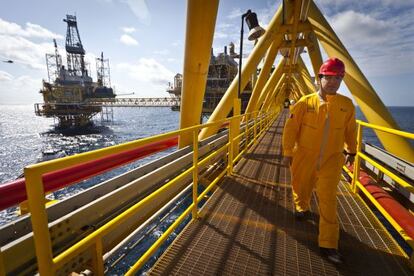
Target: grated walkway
<point x="248" y="228"/>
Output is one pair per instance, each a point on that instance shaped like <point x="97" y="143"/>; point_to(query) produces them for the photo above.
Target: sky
<point x="144" y="41"/>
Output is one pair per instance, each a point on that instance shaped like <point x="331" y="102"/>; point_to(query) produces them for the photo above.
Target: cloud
<point x="4" y="76"/>
<point x="128" y="30"/>
<point x="31" y="30"/>
<point x="147" y="70"/>
<point x="381" y="46"/>
<point x="235" y="13"/>
<point x="24" y="52"/>
<point x="21" y="90"/>
<point x="162" y="52"/>
<point x="128" y="40"/>
<point x="140" y="10"/>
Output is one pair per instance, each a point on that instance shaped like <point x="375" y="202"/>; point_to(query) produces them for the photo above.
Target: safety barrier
<point x="49" y="264"/>
<point x="399" y="217"/>
<point x="14" y="192"/>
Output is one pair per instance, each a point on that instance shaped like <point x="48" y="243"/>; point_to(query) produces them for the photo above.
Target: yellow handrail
<point x="356" y="185"/>
<point x="48" y="265"/>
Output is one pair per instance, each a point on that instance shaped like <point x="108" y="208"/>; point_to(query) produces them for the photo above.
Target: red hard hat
<point x="332" y="67"/>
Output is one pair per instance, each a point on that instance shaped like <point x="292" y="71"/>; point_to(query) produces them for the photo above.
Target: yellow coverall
<point x="315" y="135"/>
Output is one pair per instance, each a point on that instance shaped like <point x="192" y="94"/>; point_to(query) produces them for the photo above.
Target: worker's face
<point x="330" y="84"/>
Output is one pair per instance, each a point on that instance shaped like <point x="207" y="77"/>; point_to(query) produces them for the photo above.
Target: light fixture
<point x="255" y="31"/>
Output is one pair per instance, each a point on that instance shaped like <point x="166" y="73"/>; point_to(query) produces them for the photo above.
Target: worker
<point x="318" y="138"/>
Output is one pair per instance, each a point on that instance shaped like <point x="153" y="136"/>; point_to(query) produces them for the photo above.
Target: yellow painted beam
<point x="263" y="76"/>
<point x="226" y="103"/>
<point x="306" y="75"/>
<point x="271" y="96"/>
<point x="201" y="20"/>
<point x="270" y="84"/>
<point x="314" y="53"/>
<point x="362" y="91"/>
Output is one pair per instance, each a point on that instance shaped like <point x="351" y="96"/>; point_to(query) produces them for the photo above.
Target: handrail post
<point x="97" y="256"/>
<point x="195" y="174"/>
<point x="254" y="127"/>
<point x="246" y="132"/>
<point x="230" y="149"/>
<point x="41" y="235"/>
<point x="2" y="267"/>
<point x="357" y="161"/>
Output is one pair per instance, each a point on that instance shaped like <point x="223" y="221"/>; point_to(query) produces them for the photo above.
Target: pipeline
<point x="400" y="214"/>
<point x="12" y="193"/>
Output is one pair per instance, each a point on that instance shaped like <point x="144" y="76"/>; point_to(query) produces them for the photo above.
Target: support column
<point x="201" y="21"/>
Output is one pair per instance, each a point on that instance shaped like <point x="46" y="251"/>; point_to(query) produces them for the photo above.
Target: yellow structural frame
<point x="302" y="17"/>
<point x="49" y="264"/>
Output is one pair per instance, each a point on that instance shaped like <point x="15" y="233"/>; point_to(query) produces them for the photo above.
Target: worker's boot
<point x="332" y="255"/>
<point x="301" y="215"/>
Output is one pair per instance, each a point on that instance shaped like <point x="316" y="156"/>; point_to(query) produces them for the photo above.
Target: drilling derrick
<point x="69" y="91"/>
<point x="74" y="48"/>
<point x="102" y="71"/>
<point x="53" y="63"/>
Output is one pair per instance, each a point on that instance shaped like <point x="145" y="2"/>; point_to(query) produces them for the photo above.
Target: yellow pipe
<point x="2" y="267"/>
<point x="271" y="96"/>
<point x="236" y="123"/>
<point x="365" y="96"/>
<point x="388" y="130"/>
<point x="201" y="20"/>
<point x="314" y="53"/>
<point x="263" y="76"/>
<point x="41" y="235"/>
<point x="226" y="103"/>
<point x="357" y="161"/>
<point x="97" y="258"/>
<point x="195" y="174"/>
<point x="306" y="75"/>
<point x="230" y="155"/>
<point x="298" y="80"/>
<point x="271" y="83"/>
<point x="394" y="177"/>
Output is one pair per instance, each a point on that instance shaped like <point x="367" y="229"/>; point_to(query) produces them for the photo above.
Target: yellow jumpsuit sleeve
<point x="292" y="128"/>
<point x="351" y="133"/>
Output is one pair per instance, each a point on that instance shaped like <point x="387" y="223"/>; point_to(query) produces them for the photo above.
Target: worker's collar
<point x="329" y="98"/>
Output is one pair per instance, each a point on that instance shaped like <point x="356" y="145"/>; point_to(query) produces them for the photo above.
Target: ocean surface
<point x="26" y="139"/>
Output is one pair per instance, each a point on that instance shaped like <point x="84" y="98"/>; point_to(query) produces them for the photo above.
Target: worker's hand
<point x="287" y="161"/>
<point x="349" y="159"/>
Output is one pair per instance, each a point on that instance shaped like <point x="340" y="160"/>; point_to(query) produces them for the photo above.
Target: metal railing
<point x="357" y="186"/>
<point x="49" y="264"/>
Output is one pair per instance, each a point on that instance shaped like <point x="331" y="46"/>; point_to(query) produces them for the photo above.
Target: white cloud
<point x="147" y="70"/>
<point x="128" y="30"/>
<point x="128" y="40"/>
<point x="177" y="43"/>
<point x="235" y="13"/>
<point x="140" y="9"/>
<point x="380" y="46"/>
<point x="21" y="90"/>
<point x="31" y="30"/>
<point x="162" y="52"/>
<point x="24" y="52"/>
<point x="4" y="76"/>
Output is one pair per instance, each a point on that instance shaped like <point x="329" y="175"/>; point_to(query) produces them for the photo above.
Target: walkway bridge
<point x="137" y="102"/>
<point x="229" y="168"/>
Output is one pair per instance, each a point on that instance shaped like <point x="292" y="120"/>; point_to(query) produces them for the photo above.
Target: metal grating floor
<point x="248" y="228"/>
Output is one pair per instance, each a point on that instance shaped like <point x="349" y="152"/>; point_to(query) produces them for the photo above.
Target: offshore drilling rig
<point x="69" y="92"/>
